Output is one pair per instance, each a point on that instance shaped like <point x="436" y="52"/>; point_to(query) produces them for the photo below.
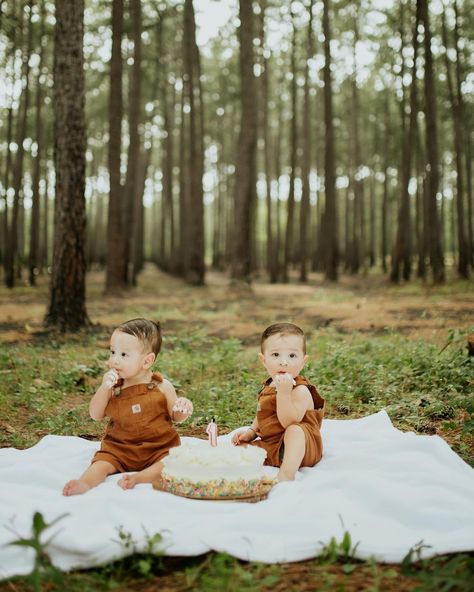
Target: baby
<point x="141" y="405"/>
<point x="290" y="410"/>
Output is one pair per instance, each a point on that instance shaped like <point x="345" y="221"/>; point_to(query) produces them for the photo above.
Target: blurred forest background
<point x="303" y="136"/>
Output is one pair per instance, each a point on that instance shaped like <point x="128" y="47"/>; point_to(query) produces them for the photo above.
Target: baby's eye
<point x="123" y="354"/>
<point x="292" y="355"/>
<point x="275" y="354"/>
<point x="112" y="352"/>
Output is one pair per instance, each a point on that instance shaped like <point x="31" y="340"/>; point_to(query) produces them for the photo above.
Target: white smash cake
<point x="198" y="470"/>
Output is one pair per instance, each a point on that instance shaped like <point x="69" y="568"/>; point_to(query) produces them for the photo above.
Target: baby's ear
<point x="149" y="359"/>
<point x="261" y="357"/>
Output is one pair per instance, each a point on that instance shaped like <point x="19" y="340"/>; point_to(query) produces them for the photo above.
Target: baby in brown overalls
<point x="141" y="405"/>
<point x="290" y="410"/>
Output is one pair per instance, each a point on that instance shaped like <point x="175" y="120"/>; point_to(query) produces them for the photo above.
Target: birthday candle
<point x="211" y="431"/>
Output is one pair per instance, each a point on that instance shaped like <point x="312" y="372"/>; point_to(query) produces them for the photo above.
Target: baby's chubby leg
<point x="93" y="475"/>
<point x="148" y="475"/>
<point x="295" y="446"/>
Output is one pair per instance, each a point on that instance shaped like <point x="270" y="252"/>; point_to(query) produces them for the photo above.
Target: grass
<point x="425" y="386"/>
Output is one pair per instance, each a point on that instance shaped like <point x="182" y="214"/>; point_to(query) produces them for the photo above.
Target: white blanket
<point x="390" y="490"/>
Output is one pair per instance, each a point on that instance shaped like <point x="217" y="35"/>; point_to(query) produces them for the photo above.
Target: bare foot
<point x="75" y="487"/>
<point x="127" y="482"/>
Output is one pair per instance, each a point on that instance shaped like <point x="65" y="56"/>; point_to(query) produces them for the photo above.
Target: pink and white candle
<point x="211" y="431"/>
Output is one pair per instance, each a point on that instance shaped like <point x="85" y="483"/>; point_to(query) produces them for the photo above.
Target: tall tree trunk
<point x="67" y="310"/>
<point x="115" y="218"/>
<point x="246" y="151"/>
<point x="44" y="248"/>
<point x="33" y="256"/>
<point x="194" y="238"/>
<point x="15" y="246"/>
<point x="385" y="197"/>
<point x="357" y="183"/>
<point x="330" y="212"/>
<point x="271" y="262"/>
<point x="8" y="165"/>
<point x="306" y="165"/>
<point x="456" y="98"/>
<point x="434" y="230"/>
<point x="134" y="148"/>
<point x="278" y="172"/>
<point x="402" y="249"/>
<point x="290" y="217"/>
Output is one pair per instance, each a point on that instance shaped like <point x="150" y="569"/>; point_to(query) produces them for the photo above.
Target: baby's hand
<point x="110" y="378"/>
<point x="284" y="382"/>
<point x="183" y="405"/>
<point x="241" y="437"/>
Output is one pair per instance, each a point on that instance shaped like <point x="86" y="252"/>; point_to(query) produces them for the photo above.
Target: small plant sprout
<point x="43" y="569"/>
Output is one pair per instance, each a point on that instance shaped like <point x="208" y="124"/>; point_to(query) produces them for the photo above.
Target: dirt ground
<point x="369" y="304"/>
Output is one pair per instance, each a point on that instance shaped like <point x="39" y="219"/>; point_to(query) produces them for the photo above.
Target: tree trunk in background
<point x="329" y="224"/>
<point x="67" y="309"/>
<point x="470" y="207"/>
<point x="433" y="227"/>
<point x="306" y="165"/>
<point x="385" y="200"/>
<point x="421" y="205"/>
<point x="356" y="255"/>
<point x="33" y="256"/>
<point x="8" y="159"/>
<point x="15" y="233"/>
<point x="184" y="186"/>
<point x="44" y="244"/>
<point x="457" y="109"/>
<point x="402" y="250"/>
<point x="278" y="172"/>
<point x="115" y="222"/>
<point x="271" y="262"/>
<point x="134" y="148"/>
<point x="194" y="269"/>
<point x="290" y="216"/>
<point x="245" y="166"/>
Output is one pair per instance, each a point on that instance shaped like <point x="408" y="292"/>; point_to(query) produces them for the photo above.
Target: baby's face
<point x="127" y="354"/>
<point x="283" y="354"/>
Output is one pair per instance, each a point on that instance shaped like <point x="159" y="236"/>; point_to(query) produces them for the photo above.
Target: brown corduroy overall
<point x="140" y="431"/>
<point x="272" y="432"/>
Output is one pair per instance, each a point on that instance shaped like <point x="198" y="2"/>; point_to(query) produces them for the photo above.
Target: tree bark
<point x="456" y="100"/>
<point x="132" y="197"/>
<point x="306" y="165"/>
<point x="33" y="255"/>
<point x="67" y="310"/>
<point x="402" y="251"/>
<point x="194" y="254"/>
<point x="330" y="212"/>
<point x="15" y="235"/>
<point x="290" y="213"/>
<point x="246" y="151"/>
<point x="434" y="230"/>
<point x="116" y="263"/>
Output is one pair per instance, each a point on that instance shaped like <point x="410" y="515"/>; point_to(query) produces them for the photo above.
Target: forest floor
<point x="412" y="337"/>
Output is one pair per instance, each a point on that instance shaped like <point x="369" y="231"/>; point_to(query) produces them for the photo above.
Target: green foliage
<point x="342" y="551"/>
<point x="43" y="570"/>
<point x="419" y="385"/>
<point x="443" y="574"/>
<point x="140" y="563"/>
<point x="220" y="571"/>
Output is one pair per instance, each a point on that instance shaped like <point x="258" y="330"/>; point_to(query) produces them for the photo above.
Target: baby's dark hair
<point x="283" y="329"/>
<point x="148" y="332"/>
